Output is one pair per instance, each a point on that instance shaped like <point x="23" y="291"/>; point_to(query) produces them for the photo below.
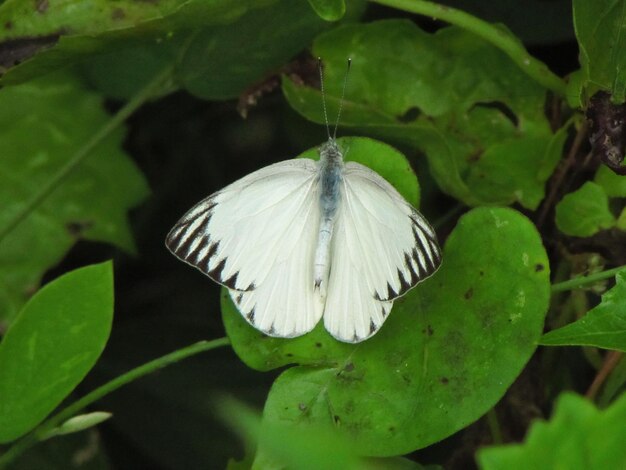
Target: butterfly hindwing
<point x="257" y="237"/>
<point x="381" y="248"/>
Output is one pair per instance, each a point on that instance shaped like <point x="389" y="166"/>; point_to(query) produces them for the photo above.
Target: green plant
<point x="527" y="195"/>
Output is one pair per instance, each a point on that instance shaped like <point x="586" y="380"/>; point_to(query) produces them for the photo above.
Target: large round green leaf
<point x="446" y="355"/>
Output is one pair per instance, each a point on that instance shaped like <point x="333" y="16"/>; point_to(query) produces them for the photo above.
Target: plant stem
<point x="494" y="427"/>
<point x="584" y="280"/>
<point x="147" y="92"/>
<point x="35" y="436"/>
<point x="495" y="35"/>
<point x="561" y="172"/>
<point x="611" y="360"/>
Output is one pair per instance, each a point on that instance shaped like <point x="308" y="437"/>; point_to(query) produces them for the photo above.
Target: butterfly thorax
<point x="330" y="174"/>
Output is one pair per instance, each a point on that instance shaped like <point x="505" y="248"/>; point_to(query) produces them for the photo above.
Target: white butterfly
<point x="303" y="239"/>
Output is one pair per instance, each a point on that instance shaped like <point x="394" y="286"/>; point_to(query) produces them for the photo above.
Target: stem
<point x="584" y="280"/>
<point x="445" y="218"/>
<point x="493" y="34"/>
<point x="611" y="360"/>
<point x="35" y="436"/>
<point x="494" y="427"/>
<point x="561" y="171"/>
<point x="139" y="99"/>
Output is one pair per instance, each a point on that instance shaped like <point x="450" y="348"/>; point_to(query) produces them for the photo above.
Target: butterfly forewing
<point x="381" y="248"/>
<point x="257" y="237"/>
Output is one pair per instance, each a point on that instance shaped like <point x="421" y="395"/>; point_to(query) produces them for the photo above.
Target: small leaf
<point x="79" y="423"/>
<point x="584" y="212"/>
<point x="448" y="352"/>
<point x="329" y="10"/>
<point x="599" y="29"/>
<point x="578" y="436"/>
<point x="53" y="343"/>
<point x="614" y="185"/>
<point x="603" y="326"/>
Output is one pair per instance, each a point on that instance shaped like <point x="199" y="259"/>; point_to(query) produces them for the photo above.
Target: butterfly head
<point x="330" y="151"/>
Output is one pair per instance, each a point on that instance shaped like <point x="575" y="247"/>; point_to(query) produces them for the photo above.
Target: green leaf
<point x="599" y="28"/>
<point x="329" y="10"/>
<point x="446" y="355"/>
<point x="614" y="185"/>
<point x="219" y="48"/>
<point x="584" y="212"/>
<point x="283" y="448"/>
<point x="53" y="343"/>
<point x="603" y="326"/>
<point x="243" y="53"/>
<point x="476" y="116"/>
<point x="218" y="61"/>
<point x="69" y="30"/>
<point x="578" y="436"/>
<point x="56" y="117"/>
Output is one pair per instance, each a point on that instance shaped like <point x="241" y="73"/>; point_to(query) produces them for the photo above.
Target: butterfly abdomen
<point x="331" y="174"/>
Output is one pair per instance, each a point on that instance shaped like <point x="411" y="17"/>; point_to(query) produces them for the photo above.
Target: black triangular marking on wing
<point x="373" y="327"/>
<point x="385" y="312"/>
<point x="419" y="268"/>
<point x="250" y="316"/>
<point x="231" y="282"/>
<point x="193" y="255"/>
<point x="404" y="285"/>
<point x="391" y="294"/>
<point x="216" y="272"/>
<point x="409" y="266"/>
<point x="179" y="240"/>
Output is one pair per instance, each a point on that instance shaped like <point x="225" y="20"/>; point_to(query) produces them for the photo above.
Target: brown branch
<point x="610" y="362"/>
<point x="560" y="173"/>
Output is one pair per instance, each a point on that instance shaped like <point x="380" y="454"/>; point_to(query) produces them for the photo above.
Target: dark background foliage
<point x="194" y="141"/>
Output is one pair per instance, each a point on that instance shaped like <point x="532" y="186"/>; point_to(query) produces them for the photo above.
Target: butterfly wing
<point x="257" y="237"/>
<point x="381" y="248"/>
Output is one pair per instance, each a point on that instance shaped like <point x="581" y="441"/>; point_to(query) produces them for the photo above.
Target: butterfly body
<point x="331" y="176"/>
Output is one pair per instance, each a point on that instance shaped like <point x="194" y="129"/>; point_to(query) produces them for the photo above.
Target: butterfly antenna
<point x="343" y="93"/>
<point x="321" y="69"/>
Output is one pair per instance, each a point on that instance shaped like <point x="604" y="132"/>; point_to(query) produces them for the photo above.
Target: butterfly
<point x="302" y="240"/>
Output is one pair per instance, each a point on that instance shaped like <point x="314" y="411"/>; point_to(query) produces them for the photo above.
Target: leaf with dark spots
<point x="78" y="227"/>
<point x="607" y="122"/>
<point x="16" y="51"/>
<point x="433" y="332"/>
<point x="41" y="6"/>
